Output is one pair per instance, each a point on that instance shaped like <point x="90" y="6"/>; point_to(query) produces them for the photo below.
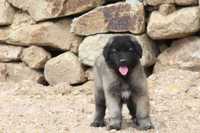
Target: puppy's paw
<point x="144" y="124"/>
<point x="116" y="127"/>
<point x="114" y="124"/>
<point x="97" y="124"/>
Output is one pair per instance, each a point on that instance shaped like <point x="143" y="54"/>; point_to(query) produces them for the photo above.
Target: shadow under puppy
<point x="119" y="79"/>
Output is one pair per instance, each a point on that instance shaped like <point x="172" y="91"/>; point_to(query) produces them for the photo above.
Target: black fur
<point x="122" y="48"/>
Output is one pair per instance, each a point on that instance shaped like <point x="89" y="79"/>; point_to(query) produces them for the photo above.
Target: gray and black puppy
<point x="120" y="79"/>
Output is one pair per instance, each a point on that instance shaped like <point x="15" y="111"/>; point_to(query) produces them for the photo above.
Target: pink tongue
<point x="123" y="70"/>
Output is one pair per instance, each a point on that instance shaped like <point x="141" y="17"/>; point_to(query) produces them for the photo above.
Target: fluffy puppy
<point x="120" y="79"/>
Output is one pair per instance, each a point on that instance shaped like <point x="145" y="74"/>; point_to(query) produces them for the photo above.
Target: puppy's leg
<point x="141" y="98"/>
<point x="100" y="108"/>
<point x="114" y="105"/>
<point x="143" y="121"/>
<point x="131" y="107"/>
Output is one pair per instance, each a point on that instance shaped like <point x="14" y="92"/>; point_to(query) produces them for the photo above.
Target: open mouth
<point x="123" y="70"/>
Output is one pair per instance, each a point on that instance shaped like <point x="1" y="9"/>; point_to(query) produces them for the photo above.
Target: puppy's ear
<point x="106" y="49"/>
<point x="137" y="48"/>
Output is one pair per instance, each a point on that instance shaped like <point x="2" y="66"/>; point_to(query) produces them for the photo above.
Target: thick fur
<point x="113" y="89"/>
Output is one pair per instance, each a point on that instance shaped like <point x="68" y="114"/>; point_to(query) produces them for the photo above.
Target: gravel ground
<point x="30" y="108"/>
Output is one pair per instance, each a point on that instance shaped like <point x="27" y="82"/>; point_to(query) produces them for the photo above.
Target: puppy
<point x="120" y="79"/>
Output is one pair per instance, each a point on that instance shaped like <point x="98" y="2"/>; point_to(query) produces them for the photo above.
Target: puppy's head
<point x="122" y="53"/>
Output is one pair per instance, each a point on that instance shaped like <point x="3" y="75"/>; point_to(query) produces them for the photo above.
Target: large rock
<point x="119" y="17"/>
<point x="46" y="9"/>
<point x="64" y="68"/>
<point x="178" y="2"/>
<point x="9" y="53"/>
<point x="6" y="13"/>
<point x="35" y="57"/>
<point x="52" y="34"/>
<point x="92" y="47"/>
<point x="17" y="72"/>
<point x="175" y="25"/>
<point x="184" y="54"/>
<point x="175" y="100"/>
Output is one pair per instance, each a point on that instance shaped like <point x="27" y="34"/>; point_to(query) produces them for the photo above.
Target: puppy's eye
<point x="114" y="50"/>
<point x="130" y="49"/>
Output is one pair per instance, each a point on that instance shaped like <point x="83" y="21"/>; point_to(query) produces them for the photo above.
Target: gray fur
<point x="110" y="92"/>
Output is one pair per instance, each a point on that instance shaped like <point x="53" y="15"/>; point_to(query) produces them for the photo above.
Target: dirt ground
<point x="30" y="108"/>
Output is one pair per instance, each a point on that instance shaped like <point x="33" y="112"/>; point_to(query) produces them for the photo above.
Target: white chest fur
<point x="125" y="94"/>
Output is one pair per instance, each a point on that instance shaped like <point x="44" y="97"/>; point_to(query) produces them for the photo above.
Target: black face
<point x="122" y="54"/>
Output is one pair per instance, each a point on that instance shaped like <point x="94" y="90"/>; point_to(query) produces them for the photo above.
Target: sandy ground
<point x="30" y="108"/>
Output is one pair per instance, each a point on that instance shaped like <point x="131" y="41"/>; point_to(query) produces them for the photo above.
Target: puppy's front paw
<point x="97" y="124"/>
<point x="144" y="124"/>
<point x="116" y="127"/>
<point x="114" y="124"/>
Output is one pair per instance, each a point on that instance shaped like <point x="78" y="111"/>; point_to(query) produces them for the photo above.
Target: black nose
<point x="123" y="61"/>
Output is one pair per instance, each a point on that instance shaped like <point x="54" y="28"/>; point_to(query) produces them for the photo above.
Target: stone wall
<point x="54" y="41"/>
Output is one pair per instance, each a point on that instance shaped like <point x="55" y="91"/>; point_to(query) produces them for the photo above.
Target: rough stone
<point x="52" y="34"/>
<point x="3" y="73"/>
<point x="35" y="57"/>
<point x="92" y="47"/>
<point x="166" y="9"/>
<point x="90" y="74"/>
<point x="183" y="54"/>
<point x="64" y="68"/>
<point x="178" y="2"/>
<point x="119" y="17"/>
<point x="6" y="13"/>
<point x="134" y="1"/>
<point x="47" y="9"/>
<point x="158" y="2"/>
<point x="175" y="25"/>
<point x="4" y="32"/>
<point x="20" y="19"/>
<point x="9" y="53"/>
<point x="186" y="2"/>
<point x="17" y="72"/>
<point x="76" y="41"/>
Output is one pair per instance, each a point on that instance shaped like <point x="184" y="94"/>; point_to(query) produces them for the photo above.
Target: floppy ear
<point x="138" y="48"/>
<point x="106" y="49"/>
